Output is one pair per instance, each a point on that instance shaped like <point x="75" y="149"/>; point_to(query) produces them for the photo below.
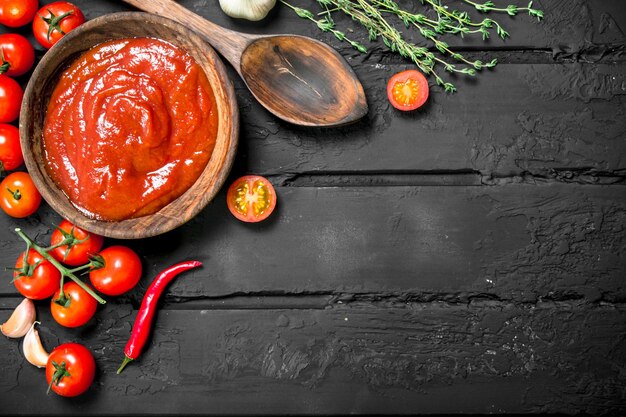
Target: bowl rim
<point x="168" y="217"/>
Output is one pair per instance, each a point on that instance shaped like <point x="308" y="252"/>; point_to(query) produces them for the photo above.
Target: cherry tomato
<point x="18" y="195"/>
<point x="10" y="99"/>
<point x="36" y="278"/>
<point x="407" y="90"/>
<point x="16" y="13"/>
<point x="70" y="370"/>
<point x="55" y="20"/>
<point x="10" y="149"/>
<point x="251" y="198"/>
<point x="18" y="55"/>
<point x="76" y="310"/>
<point x="120" y="273"/>
<point x="81" y="244"/>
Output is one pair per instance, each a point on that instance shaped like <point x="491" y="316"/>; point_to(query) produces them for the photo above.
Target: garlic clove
<point x="33" y="349"/>
<point x="253" y="10"/>
<point x="21" y="320"/>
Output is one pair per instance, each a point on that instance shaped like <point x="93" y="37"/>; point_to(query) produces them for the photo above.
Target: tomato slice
<point x="251" y="198"/>
<point x="407" y="90"/>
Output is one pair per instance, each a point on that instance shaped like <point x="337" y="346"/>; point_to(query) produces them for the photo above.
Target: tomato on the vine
<point x="35" y="277"/>
<point x="16" y="13"/>
<point x="407" y="90"/>
<point x="79" y="245"/>
<point x="120" y="272"/>
<point x="11" y="95"/>
<point x="70" y="370"/>
<point x="55" y="20"/>
<point x="75" y="309"/>
<point x="18" y="195"/>
<point x="16" y="53"/>
<point x="10" y="149"/>
<point x="251" y="198"/>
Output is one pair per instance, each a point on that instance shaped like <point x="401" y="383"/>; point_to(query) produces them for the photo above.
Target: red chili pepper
<point x="143" y="322"/>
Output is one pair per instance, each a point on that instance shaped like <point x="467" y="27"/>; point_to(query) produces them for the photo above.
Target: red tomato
<point x="407" y="90"/>
<point x="18" y="195"/>
<point x="10" y="99"/>
<point x="251" y="198"/>
<point x="10" y="149"/>
<point x="18" y="55"/>
<point x="36" y="278"/>
<point x="79" y="246"/>
<point x="78" y="309"/>
<point x="70" y="370"/>
<point x="55" y="20"/>
<point x="120" y="273"/>
<point x="15" y="13"/>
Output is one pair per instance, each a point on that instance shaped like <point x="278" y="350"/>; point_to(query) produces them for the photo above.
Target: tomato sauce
<point x="130" y="126"/>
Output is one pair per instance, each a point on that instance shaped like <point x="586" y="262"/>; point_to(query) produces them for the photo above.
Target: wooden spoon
<point x="298" y="79"/>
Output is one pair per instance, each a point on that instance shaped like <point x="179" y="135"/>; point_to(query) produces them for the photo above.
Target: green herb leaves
<point x="436" y="20"/>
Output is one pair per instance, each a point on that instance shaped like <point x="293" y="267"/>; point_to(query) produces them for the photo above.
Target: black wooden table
<point x="469" y="257"/>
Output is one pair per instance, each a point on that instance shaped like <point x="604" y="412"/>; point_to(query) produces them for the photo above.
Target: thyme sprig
<point x="372" y="15"/>
<point x="326" y="24"/>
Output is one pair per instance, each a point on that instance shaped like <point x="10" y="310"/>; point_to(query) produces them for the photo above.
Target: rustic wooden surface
<point x="470" y="257"/>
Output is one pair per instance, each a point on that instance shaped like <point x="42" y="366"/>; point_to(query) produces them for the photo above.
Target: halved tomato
<point x="407" y="90"/>
<point x="251" y="198"/>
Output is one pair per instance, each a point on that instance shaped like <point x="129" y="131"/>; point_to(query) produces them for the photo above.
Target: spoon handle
<point x="229" y="44"/>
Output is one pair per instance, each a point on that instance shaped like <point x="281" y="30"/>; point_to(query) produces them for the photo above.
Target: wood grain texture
<point x="467" y="259"/>
<point x="516" y="242"/>
<point x="414" y="358"/>
<point x="43" y="81"/>
<point x="545" y="120"/>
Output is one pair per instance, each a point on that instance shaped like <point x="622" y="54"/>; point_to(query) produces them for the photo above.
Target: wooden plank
<point x="518" y="119"/>
<point x="414" y="358"/>
<point x="569" y="27"/>
<point x="513" y="242"/>
<point x="549" y="120"/>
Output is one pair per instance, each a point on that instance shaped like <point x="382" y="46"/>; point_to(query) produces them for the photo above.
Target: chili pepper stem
<point x="64" y="270"/>
<point x="126" y="361"/>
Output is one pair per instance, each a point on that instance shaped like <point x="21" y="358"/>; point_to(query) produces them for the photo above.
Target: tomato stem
<point x="60" y="371"/>
<point x="63" y="301"/>
<point x="16" y="194"/>
<point x="27" y="269"/>
<point x="87" y="266"/>
<point x="69" y="239"/>
<point x="54" y="22"/>
<point x="6" y="65"/>
<point x="64" y="271"/>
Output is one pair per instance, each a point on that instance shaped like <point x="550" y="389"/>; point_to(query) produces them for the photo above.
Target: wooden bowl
<point x="44" y="79"/>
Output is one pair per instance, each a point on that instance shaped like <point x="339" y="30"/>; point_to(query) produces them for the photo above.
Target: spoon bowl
<point x="298" y="79"/>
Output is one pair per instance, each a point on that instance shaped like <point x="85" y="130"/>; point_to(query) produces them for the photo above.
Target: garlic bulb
<point x="20" y="321"/>
<point x="33" y="350"/>
<point x="247" y="9"/>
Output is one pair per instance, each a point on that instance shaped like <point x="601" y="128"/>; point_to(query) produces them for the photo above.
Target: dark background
<point x="467" y="257"/>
